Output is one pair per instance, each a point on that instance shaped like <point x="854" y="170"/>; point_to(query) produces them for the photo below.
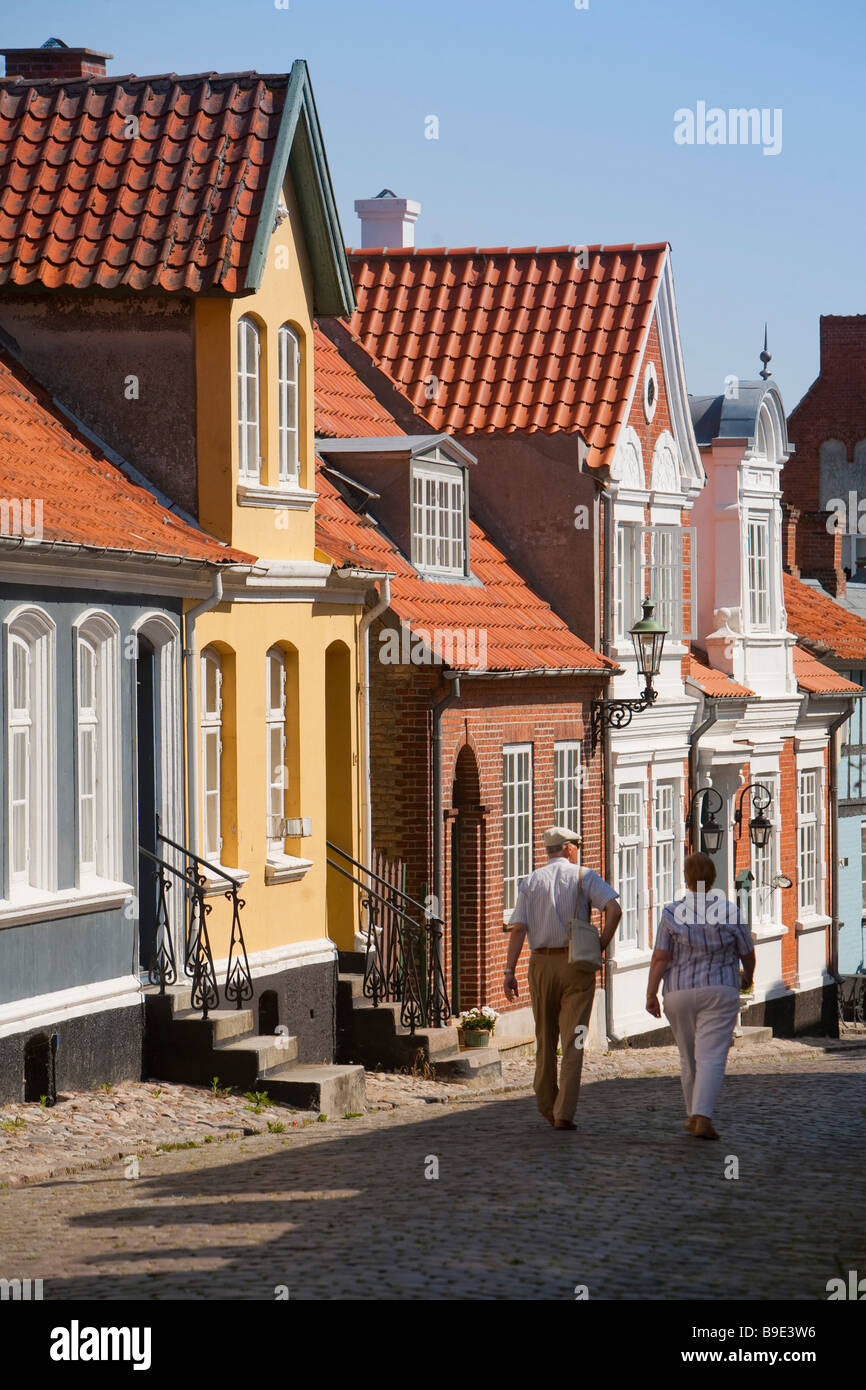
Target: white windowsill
<point x="292" y="497"/>
<point x="38" y="905"/>
<point x="816" y="921"/>
<point x="768" y="931"/>
<point x="285" y="868"/>
<point x="631" y="958"/>
<point x="215" y="884"/>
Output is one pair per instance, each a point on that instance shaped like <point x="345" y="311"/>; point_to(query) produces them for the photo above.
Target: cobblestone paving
<point x="630" y="1206"/>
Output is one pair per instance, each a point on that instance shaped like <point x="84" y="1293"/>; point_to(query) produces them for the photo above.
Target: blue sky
<point x="556" y="125"/>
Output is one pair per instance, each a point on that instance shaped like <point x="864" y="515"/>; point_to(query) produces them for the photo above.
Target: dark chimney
<point x="54" y="59"/>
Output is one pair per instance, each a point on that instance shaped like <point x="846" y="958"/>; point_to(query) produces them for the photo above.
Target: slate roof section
<point x="818" y="679"/>
<point x="815" y="617"/>
<point x="533" y="338"/>
<point x="712" y="682"/>
<point x="85" y="499"/>
<point x="345" y="407"/>
<point x="162" y="183"/>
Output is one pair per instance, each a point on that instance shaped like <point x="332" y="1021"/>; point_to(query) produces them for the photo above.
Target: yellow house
<point x="172" y="308"/>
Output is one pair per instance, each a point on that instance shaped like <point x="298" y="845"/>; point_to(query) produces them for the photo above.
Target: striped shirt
<point x="706" y="938"/>
<point x="549" y="898"/>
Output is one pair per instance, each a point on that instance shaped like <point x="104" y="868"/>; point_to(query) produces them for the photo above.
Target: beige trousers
<point x="561" y="996"/>
<point x="702" y="1021"/>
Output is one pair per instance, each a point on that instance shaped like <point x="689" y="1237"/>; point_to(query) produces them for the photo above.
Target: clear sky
<point x="556" y="125"/>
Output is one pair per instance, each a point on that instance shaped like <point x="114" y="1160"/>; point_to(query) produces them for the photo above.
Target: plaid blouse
<point x="706" y="938"/>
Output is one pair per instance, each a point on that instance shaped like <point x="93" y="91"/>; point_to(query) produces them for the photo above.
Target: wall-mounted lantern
<point x="648" y="637"/>
<point x="711" y="831"/>
<point x="760" y="828"/>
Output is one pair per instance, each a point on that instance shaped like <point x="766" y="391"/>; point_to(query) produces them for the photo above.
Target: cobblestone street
<point x="630" y="1206"/>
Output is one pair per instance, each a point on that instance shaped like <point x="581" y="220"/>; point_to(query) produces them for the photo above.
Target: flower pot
<point x="475" y="1037"/>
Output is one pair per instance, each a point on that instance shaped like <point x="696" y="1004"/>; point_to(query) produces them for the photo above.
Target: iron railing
<point x="403" y="960"/>
<point x="198" y="962"/>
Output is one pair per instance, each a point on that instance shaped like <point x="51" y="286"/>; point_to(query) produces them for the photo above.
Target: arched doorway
<point x="467" y="889"/>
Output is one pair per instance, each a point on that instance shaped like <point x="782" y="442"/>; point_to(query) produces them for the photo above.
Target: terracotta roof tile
<point x="818" y="679"/>
<point x="508" y="333"/>
<point x="345" y="407"/>
<point x="814" y="616"/>
<point x="85" y="499"/>
<point x="87" y="200"/>
<point x="712" y="682"/>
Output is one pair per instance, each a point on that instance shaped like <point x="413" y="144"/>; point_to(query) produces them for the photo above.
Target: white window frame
<point x="809" y="842"/>
<point x="764" y="862"/>
<point x="666" y="841"/>
<point x="630" y="857"/>
<point x="275" y="725"/>
<point x="628" y="578"/>
<point x="249" y="421"/>
<point x="566" y="784"/>
<point x="663" y="581"/>
<point x="517" y="771"/>
<point x="758" y="598"/>
<point x="211" y="731"/>
<point x="438" y="500"/>
<point x="98" y="633"/>
<point x="288" y="379"/>
<point x="34" y="632"/>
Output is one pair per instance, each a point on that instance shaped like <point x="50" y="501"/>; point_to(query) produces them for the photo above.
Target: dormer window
<point x="758" y="571"/>
<point x="249" y="400"/>
<point x="438" y="514"/>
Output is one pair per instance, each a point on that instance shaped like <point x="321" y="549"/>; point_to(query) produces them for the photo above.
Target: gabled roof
<point x="162" y="183"/>
<point x="84" y="499"/>
<point x="520" y="631"/>
<point x="819" y="679"/>
<point x="532" y="339"/>
<point x="826" y="625"/>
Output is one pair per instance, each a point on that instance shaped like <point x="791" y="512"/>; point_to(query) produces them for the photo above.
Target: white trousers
<point x="702" y="1021"/>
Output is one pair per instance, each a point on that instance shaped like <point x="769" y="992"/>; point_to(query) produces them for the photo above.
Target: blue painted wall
<point x="62" y="953"/>
<point x="851" y="933"/>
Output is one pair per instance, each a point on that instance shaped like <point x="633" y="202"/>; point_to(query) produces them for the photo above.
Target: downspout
<point x="607" y="768"/>
<point x="190" y="668"/>
<point x="438" y="710"/>
<point x="366" y="789"/>
<point x="834" y="834"/>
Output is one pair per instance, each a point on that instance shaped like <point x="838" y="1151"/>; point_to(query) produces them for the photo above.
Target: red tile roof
<point x="345" y="407"/>
<point x="814" y="616"/>
<point x="85" y="500"/>
<point x="818" y="679"/>
<point x="521" y="339"/>
<point x="712" y="682"/>
<point x="503" y="624"/>
<point x="169" y="202"/>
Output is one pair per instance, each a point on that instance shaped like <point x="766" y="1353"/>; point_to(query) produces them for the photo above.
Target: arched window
<point x="249" y="399"/>
<point x="276" y="736"/>
<point x="288" y="360"/>
<point x="98" y="760"/>
<point x="211" y="752"/>
<point x="31" y="816"/>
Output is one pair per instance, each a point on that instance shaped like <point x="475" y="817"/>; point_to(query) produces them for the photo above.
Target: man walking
<point x="561" y="992"/>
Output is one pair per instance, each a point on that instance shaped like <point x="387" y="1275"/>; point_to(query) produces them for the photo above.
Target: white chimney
<point x="387" y="220"/>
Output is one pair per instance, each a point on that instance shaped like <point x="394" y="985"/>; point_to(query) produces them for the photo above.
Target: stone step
<point x="749" y="1035"/>
<point x="353" y="984"/>
<point x="329" y="1088"/>
<point x="478" y="1066"/>
<point x="517" y="1046"/>
<point x="254" y="1056"/>
<point x="223" y="1023"/>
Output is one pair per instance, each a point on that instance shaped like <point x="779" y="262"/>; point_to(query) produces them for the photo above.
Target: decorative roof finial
<point x="765" y="357"/>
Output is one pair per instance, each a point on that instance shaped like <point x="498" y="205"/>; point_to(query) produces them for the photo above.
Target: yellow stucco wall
<point x="276" y="913"/>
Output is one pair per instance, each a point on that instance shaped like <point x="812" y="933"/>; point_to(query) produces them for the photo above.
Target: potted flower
<point x="476" y="1026"/>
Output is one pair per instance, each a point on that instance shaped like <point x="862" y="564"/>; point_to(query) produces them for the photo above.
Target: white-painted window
<point x="627" y="578"/>
<point x="438" y="515"/>
<point x="808" y="853"/>
<point x="516" y="818"/>
<point x="288" y="355"/>
<point x="666" y="844"/>
<point x="566" y="784"/>
<point x="31" y="745"/>
<point x="765" y="860"/>
<point x="758" y="571"/>
<point x="98" y="758"/>
<point x="664" y="578"/>
<point x="249" y="399"/>
<point x="629" y="864"/>
<point x="211" y="752"/>
<point x="276" y="750"/>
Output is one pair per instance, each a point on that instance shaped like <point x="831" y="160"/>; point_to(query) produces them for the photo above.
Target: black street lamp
<point x="711" y="831"/>
<point x="648" y="637"/>
<point x="760" y="828"/>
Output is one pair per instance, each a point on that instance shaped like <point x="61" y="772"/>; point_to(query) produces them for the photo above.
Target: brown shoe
<point x="702" y="1127"/>
<point x="689" y="1124"/>
<point x="564" y="1124"/>
<point x="546" y="1115"/>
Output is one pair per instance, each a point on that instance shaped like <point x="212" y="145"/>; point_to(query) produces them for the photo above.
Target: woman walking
<point x="699" y="944"/>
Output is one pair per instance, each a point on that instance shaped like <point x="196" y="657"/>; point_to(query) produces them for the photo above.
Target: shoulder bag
<point x="584" y="943"/>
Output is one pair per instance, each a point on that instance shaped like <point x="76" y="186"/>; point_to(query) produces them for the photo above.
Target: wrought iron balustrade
<point x="403" y="962"/>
